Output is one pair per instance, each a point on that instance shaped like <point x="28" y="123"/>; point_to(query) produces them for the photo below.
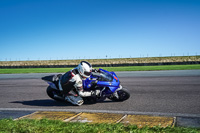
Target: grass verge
<point x="56" y="126"/>
<point x="124" y="68"/>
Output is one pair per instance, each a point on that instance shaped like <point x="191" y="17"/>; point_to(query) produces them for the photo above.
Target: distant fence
<point x="108" y="65"/>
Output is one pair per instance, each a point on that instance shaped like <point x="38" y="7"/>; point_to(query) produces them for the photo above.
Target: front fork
<point x="115" y="94"/>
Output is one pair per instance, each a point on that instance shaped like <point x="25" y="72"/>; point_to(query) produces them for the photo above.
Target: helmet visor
<point x="87" y="73"/>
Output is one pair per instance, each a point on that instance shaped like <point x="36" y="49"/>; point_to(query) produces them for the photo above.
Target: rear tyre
<point x="51" y="92"/>
<point x="123" y="95"/>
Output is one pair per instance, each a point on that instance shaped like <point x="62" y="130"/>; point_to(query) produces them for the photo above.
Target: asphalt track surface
<point x="172" y="93"/>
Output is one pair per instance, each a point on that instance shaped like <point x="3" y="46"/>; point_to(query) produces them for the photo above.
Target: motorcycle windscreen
<point x="106" y="77"/>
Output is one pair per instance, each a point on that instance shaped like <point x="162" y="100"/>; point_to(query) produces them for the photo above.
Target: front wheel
<point x="122" y="95"/>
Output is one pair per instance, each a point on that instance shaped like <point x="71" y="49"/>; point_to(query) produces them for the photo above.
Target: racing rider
<point x="72" y="80"/>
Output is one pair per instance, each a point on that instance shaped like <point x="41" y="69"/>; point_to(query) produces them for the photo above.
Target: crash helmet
<point x="84" y="69"/>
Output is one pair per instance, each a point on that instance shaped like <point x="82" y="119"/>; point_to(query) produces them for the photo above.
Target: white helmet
<point x="84" y="69"/>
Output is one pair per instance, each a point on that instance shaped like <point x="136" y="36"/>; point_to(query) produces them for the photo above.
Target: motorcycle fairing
<point x="104" y="79"/>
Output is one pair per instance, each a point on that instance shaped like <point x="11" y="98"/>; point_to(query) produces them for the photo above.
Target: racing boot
<point x="75" y="100"/>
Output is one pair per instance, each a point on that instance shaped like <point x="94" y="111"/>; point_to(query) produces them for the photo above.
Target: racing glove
<point x="95" y="70"/>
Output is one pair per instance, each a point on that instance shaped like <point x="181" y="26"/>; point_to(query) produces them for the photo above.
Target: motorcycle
<point x="107" y="82"/>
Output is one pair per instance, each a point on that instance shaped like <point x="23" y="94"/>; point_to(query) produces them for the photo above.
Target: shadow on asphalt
<point x="49" y="102"/>
<point x="43" y="102"/>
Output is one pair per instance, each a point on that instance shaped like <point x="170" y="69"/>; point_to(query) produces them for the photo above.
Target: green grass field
<point x="125" y="68"/>
<point x="56" y="126"/>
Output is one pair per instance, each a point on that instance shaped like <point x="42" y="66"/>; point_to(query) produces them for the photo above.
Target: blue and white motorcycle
<point x="107" y="82"/>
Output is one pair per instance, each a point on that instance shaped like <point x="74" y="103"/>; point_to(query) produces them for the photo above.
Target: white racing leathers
<point x="72" y="80"/>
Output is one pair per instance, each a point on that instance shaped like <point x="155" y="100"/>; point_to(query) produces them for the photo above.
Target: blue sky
<point x="87" y="29"/>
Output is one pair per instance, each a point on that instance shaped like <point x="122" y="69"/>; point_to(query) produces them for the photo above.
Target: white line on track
<point x="105" y="111"/>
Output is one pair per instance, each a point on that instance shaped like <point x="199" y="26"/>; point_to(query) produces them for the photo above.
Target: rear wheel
<point x="51" y="92"/>
<point x="123" y="95"/>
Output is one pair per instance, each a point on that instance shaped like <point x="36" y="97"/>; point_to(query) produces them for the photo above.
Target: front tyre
<point x="123" y="95"/>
